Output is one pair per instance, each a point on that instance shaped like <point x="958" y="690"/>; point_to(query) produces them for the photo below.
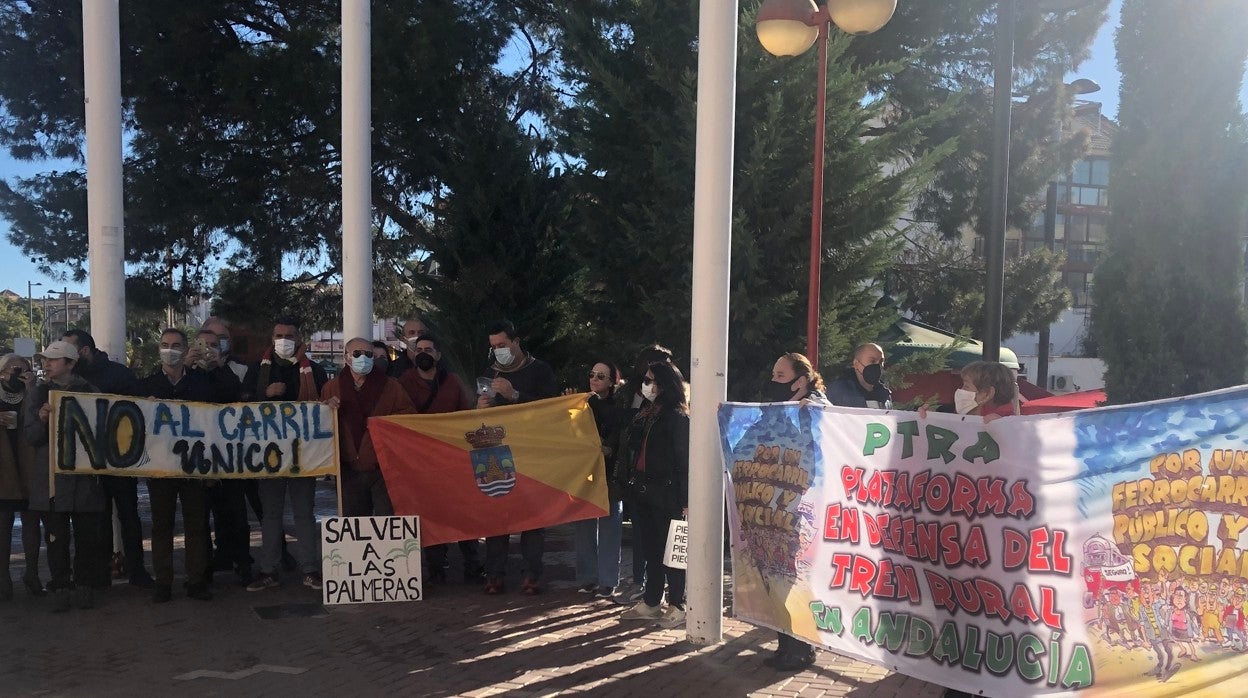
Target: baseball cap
<point x="59" y="349"/>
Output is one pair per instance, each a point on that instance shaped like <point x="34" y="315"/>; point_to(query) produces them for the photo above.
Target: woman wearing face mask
<point x="653" y="474"/>
<point x="16" y="460"/>
<point x="793" y="378"/>
<point x="988" y="389"/>
<point x="598" y="540"/>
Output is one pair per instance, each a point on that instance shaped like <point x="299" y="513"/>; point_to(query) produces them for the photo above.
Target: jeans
<point x="122" y="496"/>
<point x="364" y="494"/>
<point x="650" y="526"/>
<point x="165" y="493"/>
<point x="532" y="544"/>
<point x="598" y="548"/>
<point x="273" y="500"/>
<point x="90" y="532"/>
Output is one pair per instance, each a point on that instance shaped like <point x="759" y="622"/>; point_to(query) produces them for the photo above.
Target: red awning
<point x="1081" y="400"/>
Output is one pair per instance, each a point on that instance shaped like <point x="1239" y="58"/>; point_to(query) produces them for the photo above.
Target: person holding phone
<point x="16" y="460"/>
<point x="515" y="377"/>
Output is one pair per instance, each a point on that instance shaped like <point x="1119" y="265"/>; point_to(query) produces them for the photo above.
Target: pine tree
<point x="1167" y="315"/>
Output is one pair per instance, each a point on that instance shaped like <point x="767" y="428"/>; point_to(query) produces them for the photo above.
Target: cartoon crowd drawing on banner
<point x="1167" y="584"/>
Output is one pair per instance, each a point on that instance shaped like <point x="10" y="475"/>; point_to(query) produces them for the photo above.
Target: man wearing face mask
<point x="363" y="390"/>
<point x="404" y="362"/>
<point x="122" y="493"/>
<point x="517" y="377"/>
<point x="226" y="498"/>
<point x="434" y="390"/>
<point x="286" y="374"/>
<point x="381" y="356"/>
<point x="862" y="385"/>
<point x="175" y="381"/>
<point x="221" y="329"/>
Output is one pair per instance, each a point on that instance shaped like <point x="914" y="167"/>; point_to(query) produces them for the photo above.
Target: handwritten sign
<point x="101" y="434"/>
<point x="370" y="559"/>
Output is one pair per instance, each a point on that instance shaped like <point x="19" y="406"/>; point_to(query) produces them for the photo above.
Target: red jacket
<point x="450" y="397"/>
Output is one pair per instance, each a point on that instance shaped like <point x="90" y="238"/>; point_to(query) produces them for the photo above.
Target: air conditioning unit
<point x="1063" y="382"/>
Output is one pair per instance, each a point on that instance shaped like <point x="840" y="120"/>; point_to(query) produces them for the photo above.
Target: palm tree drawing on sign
<point x="405" y="552"/>
<point x="334" y="557"/>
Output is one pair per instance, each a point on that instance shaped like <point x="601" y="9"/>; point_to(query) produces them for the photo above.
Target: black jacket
<point x="535" y="380"/>
<point x="195" y="385"/>
<point x="664" y="484"/>
<point x="106" y="375"/>
<point x="281" y="372"/>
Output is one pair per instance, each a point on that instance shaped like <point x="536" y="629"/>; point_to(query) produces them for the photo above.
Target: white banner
<point x="102" y="434"/>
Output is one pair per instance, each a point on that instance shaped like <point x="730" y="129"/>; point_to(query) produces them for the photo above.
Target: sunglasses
<point x="599" y="376"/>
<point x="361" y="352"/>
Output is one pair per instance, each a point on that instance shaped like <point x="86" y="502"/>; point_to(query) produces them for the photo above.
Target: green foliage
<point x="553" y="188"/>
<point x="630" y="124"/>
<point x="1167" y="315"/>
<point x="941" y="283"/>
<point x="15" y="321"/>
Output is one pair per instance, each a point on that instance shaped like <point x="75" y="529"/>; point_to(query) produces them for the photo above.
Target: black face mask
<point x="14" y="383"/>
<point x="871" y="374"/>
<point x="424" y="362"/>
<point x="779" y="392"/>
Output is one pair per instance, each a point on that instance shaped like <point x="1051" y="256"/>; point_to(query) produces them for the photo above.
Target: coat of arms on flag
<point x="492" y="462"/>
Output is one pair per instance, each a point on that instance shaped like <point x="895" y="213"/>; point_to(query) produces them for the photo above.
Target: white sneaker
<point x="642" y="612"/>
<point x="673" y="617"/>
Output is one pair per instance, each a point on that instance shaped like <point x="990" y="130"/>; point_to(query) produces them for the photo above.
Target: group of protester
<point x="642" y="419"/>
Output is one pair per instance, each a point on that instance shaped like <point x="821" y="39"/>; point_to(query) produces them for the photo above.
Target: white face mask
<point x="649" y="391"/>
<point x="284" y="348"/>
<point x="964" y="401"/>
<point x="224" y="344"/>
<point x="171" y="357"/>
<point x="503" y="356"/>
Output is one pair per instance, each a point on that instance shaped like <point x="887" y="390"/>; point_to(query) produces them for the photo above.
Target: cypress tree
<point x="1167" y="312"/>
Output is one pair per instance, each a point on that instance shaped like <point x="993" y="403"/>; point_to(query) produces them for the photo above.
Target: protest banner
<point x="491" y="472"/>
<point x="1098" y="553"/>
<point x="102" y="434"/>
<point x="370" y="559"/>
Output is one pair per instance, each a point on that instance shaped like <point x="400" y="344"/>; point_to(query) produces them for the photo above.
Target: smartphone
<point x="485" y="386"/>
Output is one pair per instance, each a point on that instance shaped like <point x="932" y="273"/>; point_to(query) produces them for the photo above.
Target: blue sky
<point x="16" y="269"/>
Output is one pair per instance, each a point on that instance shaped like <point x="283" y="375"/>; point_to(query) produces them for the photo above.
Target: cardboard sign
<point x="370" y="559"/>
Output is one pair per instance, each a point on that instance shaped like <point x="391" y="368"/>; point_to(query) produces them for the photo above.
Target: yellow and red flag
<point x="488" y="472"/>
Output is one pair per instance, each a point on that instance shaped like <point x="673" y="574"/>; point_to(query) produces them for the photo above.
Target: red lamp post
<point x="789" y="28"/>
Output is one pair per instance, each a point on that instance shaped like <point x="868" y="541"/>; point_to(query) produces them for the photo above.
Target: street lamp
<point x="30" y="307"/>
<point x="1002" y="88"/>
<point x="788" y="28"/>
<point x="1080" y="86"/>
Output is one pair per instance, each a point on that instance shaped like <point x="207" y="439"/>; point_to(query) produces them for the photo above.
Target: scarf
<point x="307" y="383"/>
<point x="357" y="405"/>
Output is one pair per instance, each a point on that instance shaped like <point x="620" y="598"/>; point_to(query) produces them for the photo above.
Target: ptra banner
<point x="1100" y="552"/>
<point x="101" y="434"/>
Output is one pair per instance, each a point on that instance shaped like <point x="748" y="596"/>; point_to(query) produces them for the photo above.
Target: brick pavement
<point x="458" y="642"/>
